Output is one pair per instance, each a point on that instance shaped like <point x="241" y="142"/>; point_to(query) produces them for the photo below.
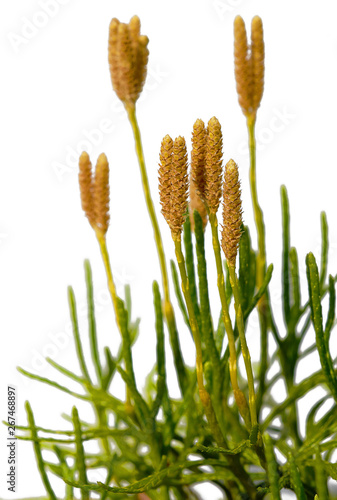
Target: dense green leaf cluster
<point x="180" y="449"/>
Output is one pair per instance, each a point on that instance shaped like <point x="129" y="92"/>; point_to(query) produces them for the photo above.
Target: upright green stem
<point x="239" y="397"/>
<point x="149" y="203"/>
<point x="204" y="396"/>
<point x="185" y="285"/>
<point x="168" y="308"/>
<point x="258" y="214"/>
<point x="263" y="304"/>
<point x="244" y="346"/>
<point x="225" y="310"/>
<point x="111" y="284"/>
<point x="237" y="468"/>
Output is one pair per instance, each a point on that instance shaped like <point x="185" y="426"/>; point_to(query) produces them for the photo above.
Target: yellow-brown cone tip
<point x="232" y="213"/>
<point x="213" y="165"/>
<point x="102" y="193"/>
<point x="128" y="56"/>
<point x="102" y="159"/>
<point x="86" y="187"/>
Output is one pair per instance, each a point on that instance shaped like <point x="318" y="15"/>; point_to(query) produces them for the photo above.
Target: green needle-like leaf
<point x="324" y="249"/>
<point x="212" y="449"/>
<point x="312" y="415"/>
<point x="77" y="338"/>
<point x="110" y="369"/>
<point x="211" y="353"/>
<point x="161" y="381"/>
<point x="80" y="455"/>
<point x="295" y="281"/>
<point x="52" y="384"/>
<point x="66" y="372"/>
<point x="189" y="260"/>
<point x="316" y="315"/>
<point x="105" y="399"/>
<point x="92" y="322"/>
<point x="229" y="291"/>
<point x="285" y="254"/>
<point x="297" y="392"/>
<point x="126" y="348"/>
<point x="247" y="277"/>
<point x="321" y="478"/>
<point x="141" y="407"/>
<point x="332" y="311"/>
<point x="205" y="309"/>
<point x="178" y="293"/>
<point x="260" y="292"/>
<point x="296" y="479"/>
<point x="153" y="481"/>
<point x="38" y="452"/>
<point x="66" y="472"/>
<point x="220" y="333"/>
<point x="273" y="474"/>
<point x="128" y="301"/>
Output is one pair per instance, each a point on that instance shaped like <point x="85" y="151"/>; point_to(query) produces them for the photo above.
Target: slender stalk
<point x="244" y="346"/>
<point x="185" y="285"/>
<point x="263" y="304"/>
<point x="225" y="310"/>
<point x="112" y="289"/>
<point x="168" y="308"/>
<point x="106" y="260"/>
<point x="131" y="111"/>
<point x="204" y="396"/>
<point x="239" y="397"/>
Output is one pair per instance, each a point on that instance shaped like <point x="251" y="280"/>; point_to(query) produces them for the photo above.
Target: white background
<point x="56" y="93"/>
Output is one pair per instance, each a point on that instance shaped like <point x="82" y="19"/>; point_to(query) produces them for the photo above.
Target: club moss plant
<point x="226" y="427"/>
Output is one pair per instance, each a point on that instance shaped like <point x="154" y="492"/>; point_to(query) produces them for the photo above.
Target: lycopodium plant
<point x="225" y="428"/>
